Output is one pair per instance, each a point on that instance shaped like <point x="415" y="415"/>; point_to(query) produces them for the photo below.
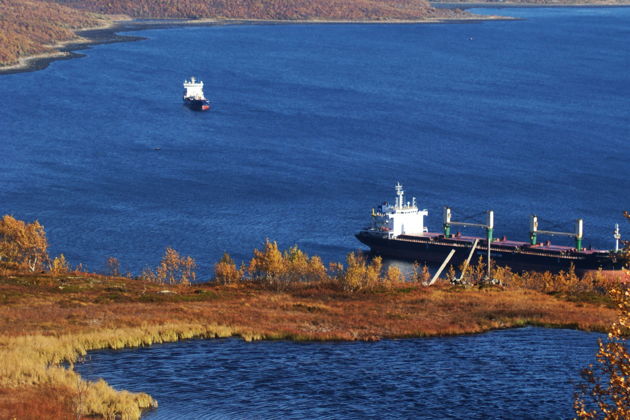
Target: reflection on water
<point x="508" y="374"/>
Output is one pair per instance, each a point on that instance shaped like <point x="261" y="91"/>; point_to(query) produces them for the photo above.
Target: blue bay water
<point x="529" y="373"/>
<point x="312" y="125"/>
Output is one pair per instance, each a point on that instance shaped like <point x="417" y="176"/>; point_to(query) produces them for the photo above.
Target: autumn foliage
<point x="49" y="318"/>
<point x="173" y="269"/>
<point x="46" y="319"/>
<point x="266" y="9"/>
<point x="22" y="245"/>
<point x="59" y="265"/>
<point x="277" y="269"/>
<point x="32" y="26"/>
<point x="606" y="393"/>
<point x="583" y="3"/>
<point x="359" y="274"/>
<point x="226" y="272"/>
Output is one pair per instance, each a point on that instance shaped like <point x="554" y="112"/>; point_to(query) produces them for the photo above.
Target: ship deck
<point x="503" y="243"/>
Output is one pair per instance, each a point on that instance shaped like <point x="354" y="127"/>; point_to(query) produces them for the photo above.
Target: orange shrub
<point x="606" y="393"/>
<point x="225" y="271"/>
<point x="22" y="245"/>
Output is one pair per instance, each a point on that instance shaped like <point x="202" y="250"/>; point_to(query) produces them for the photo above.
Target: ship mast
<point x="617" y="236"/>
<point x="400" y="194"/>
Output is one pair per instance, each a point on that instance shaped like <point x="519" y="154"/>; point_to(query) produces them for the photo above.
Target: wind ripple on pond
<point x="519" y="373"/>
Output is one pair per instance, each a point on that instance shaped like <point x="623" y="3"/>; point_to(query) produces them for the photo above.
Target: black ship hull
<point x="434" y="249"/>
<point x="197" y="104"/>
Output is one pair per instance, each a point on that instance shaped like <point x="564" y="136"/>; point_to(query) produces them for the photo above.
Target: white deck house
<point x="193" y="89"/>
<point x="401" y="218"/>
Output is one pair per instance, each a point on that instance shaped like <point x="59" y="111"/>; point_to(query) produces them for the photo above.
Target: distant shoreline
<point x="65" y="50"/>
<point x="507" y="5"/>
<point x="109" y="34"/>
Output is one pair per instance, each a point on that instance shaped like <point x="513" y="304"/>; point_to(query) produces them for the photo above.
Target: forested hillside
<point x="541" y="2"/>
<point x="27" y="27"/>
<point x="32" y="26"/>
<point x="262" y="9"/>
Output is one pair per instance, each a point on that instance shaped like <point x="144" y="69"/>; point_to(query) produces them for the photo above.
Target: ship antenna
<point x="399" y="195"/>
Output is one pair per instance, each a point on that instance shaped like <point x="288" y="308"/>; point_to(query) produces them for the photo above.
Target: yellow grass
<point x="35" y="360"/>
<point x="49" y="319"/>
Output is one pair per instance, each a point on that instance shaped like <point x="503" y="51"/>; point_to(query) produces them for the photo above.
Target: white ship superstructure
<point x="193" y="95"/>
<point x="401" y="218"/>
<point x="193" y="89"/>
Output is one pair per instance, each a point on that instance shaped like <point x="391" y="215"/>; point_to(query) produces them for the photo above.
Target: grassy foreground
<point x="47" y="319"/>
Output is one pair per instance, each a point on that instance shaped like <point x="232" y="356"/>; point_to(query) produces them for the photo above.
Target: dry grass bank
<point x="47" y="319"/>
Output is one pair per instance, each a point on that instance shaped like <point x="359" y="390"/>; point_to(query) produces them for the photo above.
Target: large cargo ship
<point x="398" y="231"/>
<point x="193" y="95"/>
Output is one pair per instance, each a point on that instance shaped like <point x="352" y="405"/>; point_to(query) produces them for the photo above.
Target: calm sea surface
<point x="526" y="373"/>
<point x="312" y="126"/>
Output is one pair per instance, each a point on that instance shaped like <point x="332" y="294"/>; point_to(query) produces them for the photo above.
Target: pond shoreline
<point x="52" y="319"/>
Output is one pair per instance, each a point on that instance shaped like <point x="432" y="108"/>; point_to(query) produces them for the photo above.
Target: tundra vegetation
<point x="51" y="313"/>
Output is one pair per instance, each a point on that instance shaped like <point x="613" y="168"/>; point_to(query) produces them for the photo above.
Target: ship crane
<point x="578" y="234"/>
<point x="488" y="226"/>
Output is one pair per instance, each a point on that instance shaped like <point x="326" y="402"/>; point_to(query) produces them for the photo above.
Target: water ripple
<point x="521" y="373"/>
